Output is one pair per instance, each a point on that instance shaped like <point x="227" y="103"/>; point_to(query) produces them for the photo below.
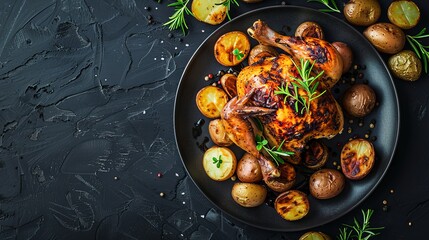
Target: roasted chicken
<point x="256" y="97"/>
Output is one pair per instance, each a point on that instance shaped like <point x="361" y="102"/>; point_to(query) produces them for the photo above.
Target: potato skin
<point x="362" y="12"/>
<point x="248" y="169"/>
<point x="346" y="54"/>
<point x="326" y="183"/>
<point x="405" y="65"/>
<point x="359" y="100"/>
<point x="248" y="194"/>
<point x="218" y="134"/>
<point x="385" y="37"/>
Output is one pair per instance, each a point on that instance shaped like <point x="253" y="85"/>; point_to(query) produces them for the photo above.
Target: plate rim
<point x="379" y="57"/>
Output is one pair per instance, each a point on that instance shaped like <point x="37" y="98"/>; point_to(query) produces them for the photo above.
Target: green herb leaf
<point x="238" y="54"/>
<point x="262" y="143"/>
<point x="217" y="161"/>
<point x="359" y="231"/>
<point x="177" y="20"/>
<point x="327" y="3"/>
<point x="418" y="47"/>
<point x="227" y="4"/>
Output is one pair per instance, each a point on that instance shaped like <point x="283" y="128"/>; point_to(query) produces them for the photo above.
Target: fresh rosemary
<point x="177" y="20"/>
<point x="238" y="54"/>
<point x="327" y="3"/>
<point x="359" y="231"/>
<point x="275" y="154"/>
<point x="217" y="161"/>
<point x="420" y="49"/>
<point x="227" y="4"/>
<point x="306" y="82"/>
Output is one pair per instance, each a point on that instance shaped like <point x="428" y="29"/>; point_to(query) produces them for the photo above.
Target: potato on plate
<point x="218" y="134"/>
<point x="219" y="163"/>
<point x="248" y="169"/>
<point x="292" y="205"/>
<point x="212" y="12"/>
<point x="232" y="48"/>
<point x="357" y="158"/>
<point x="211" y="100"/>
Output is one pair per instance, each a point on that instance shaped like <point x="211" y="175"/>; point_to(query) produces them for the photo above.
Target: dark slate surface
<point x="86" y="111"/>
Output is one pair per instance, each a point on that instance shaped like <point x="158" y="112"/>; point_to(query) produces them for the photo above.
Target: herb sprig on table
<point x="421" y="50"/>
<point x="177" y="20"/>
<point x="275" y="153"/>
<point x="327" y="3"/>
<point x="359" y="231"/>
<point x="306" y="82"/>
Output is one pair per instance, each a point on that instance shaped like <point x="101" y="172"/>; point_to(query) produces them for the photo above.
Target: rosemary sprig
<point x="217" y="161"/>
<point x="227" y="4"/>
<point x="327" y="3"/>
<point x="275" y="153"/>
<point x="306" y="82"/>
<point x="177" y="20"/>
<point x="420" y="49"/>
<point x="238" y="54"/>
<point x="359" y="231"/>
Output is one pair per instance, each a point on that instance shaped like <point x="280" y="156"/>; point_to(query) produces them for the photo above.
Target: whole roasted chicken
<point x="257" y="96"/>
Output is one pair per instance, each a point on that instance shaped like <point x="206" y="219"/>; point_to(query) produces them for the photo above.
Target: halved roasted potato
<point x="229" y="84"/>
<point x="231" y="48"/>
<point x="218" y="134"/>
<point x="219" y="163"/>
<point x="315" y="154"/>
<point x="211" y="100"/>
<point x="212" y="12"/>
<point x="285" y="181"/>
<point x="292" y="205"/>
<point x="357" y="158"/>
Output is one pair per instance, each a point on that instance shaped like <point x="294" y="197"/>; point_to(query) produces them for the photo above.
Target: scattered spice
<point x="161" y="194"/>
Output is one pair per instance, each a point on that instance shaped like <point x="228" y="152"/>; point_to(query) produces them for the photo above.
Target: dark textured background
<point x="86" y="111"/>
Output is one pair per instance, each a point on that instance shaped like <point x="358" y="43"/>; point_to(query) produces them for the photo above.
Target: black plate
<point x="386" y="117"/>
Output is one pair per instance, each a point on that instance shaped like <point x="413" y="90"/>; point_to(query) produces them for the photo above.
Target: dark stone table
<point x="87" y="147"/>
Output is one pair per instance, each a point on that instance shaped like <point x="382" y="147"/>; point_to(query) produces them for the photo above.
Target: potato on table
<point x="212" y="12"/>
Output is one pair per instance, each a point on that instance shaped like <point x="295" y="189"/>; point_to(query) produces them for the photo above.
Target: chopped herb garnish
<point x="275" y="153"/>
<point x="306" y="82"/>
<point x="217" y="161"/>
<point x="238" y="54"/>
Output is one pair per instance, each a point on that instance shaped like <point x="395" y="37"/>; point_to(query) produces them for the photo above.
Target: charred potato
<point x="326" y="183"/>
<point x="285" y="181"/>
<point x="231" y="48"/>
<point x="219" y="163"/>
<point x="314" y="236"/>
<point x="345" y="53"/>
<point x="218" y="134"/>
<point x="259" y="52"/>
<point x="229" y="84"/>
<point x="404" y="14"/>
<point x="211" y="12"/>
<point x="362" y="12"/>
<point x="248" y="194"/>
<point x="359" y="100"/>
<point x="385" y="37"/>
<point x="315" y="154"/>
<point x="309" y="29"/>
<point x="357" y="158"/>
<point x="405" y="65"/>
<point x="211" y="100"/>
<point x="248" y="169"/>
<point x="292" y="205"/>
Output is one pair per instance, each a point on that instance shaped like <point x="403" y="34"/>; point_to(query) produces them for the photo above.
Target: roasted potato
<point x="359" y="100"/>
<point x="357" y="158"/>
<point x="248" y="194"/>
<point x="229" y="84"/>
<point x="212" y="12"/>
<point x="309" y="29"/>
<point x="218" y="134"/>
<point x="346" y="54"/>
<point x="315" y="154"/>
<point x="260" y="51"/>
<point x="314" y="236"/>
<point x="385" y="37"/>
<point x="219" y="163"/>
<point x="292" y="205"/>
<point x="211" y="100"/>
<point x="232" y="48"/>
<point x="405" y="65"/>
<point x="285" y="181"/>
<point x="362" y="12"/>
<point x="248" y="169"/>
<point x="326" y="183"/>
<point x="404" y="14"/>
